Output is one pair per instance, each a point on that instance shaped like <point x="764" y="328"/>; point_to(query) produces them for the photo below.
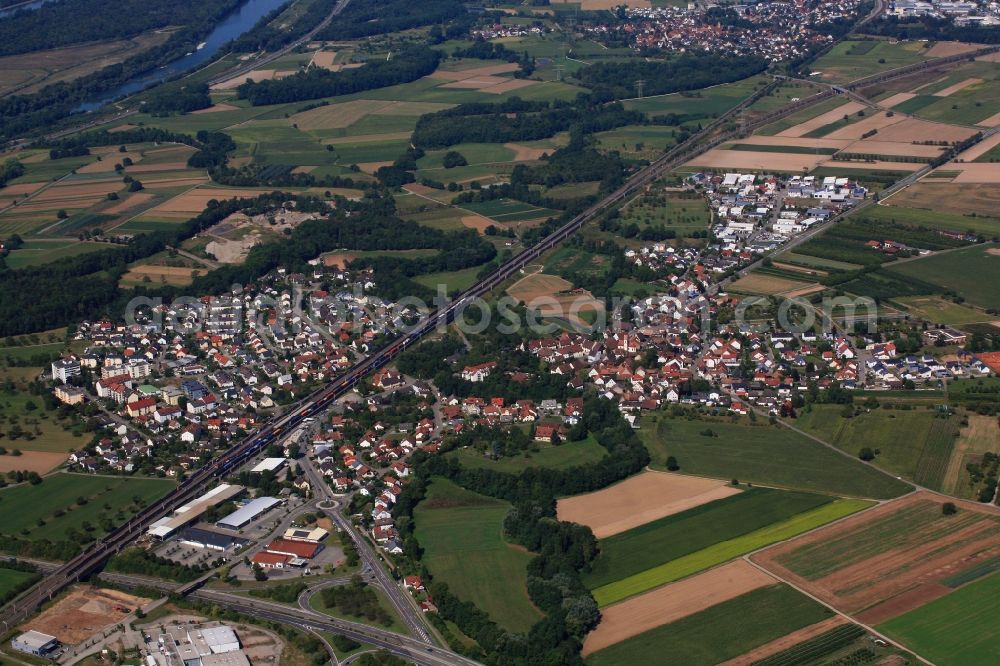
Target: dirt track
<point x="639" y="500"/>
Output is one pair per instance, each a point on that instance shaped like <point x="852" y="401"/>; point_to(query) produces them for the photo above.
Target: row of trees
<point x="564" y="549"/>
<point x="406" y="66"/>
<point x="368" y="18"/>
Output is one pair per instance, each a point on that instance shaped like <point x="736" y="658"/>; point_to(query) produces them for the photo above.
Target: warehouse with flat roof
<point x="250" y="511"/>
<point x="187" y="514"/>
<point x="35" y="642"/>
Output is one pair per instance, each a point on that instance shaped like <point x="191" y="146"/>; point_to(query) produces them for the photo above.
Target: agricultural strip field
<point x="982" y="435"/>
<point x="462" y="536"/>
<point x="48" y="510"/>
<point x="889" y="560"/>
<point x="765" y="284"/>
<point x="973" y="272"/>
<point x="726" y="550"/>
<point x="710" y="636"/>
<point x="660" y="541"/>
<point x="957" y="629"/>
<point x="568" y="454"/>
<point x="765" y="455"/>
<point x="914" y="444"/>
<point x="673" y="602"/>
<point x="640" y="499"/>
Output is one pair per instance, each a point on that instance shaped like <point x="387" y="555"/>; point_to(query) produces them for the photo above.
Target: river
<point x="35" y="4"/>
<point x="229" y="28"/>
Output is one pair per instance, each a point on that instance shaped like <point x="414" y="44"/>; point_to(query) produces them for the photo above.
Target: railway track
<point x="709" y="137"/>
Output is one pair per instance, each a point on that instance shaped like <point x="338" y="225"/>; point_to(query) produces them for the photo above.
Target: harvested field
<point x="372" y="167"/>
<point x="66" y="190"/>
<point x="215" y="108"/>
<point x="874" y="146"/>
<point x="785" y="642"/>
<point x="107" y="163"/>
<point x="976" y="172"/>
<point x="32" y="461"/>
<point x="155" y="183"/>
<point x="527" y="153"/>
<point x="476" y="82"/>
<point x="992" y="121"/>
<point x="552" y="296"/>
<point x="763" y="161"/>
<point x="134" y="200"/>
<point x="20" y="189"/>
<point x="980" y="436"/>
<point x="856" y="130"/>
<point x="945" y="49"/>
<point x="889" y="560"/>
<point x="822" y="120"/>
<point x="256" y="76"/>
<point x="799" y="269"/>
<point x="673" y="602"/>
<point x="475" y="72"/>
<point x="83" y="612"/>
<point x="195" y="201"/>
<point x="369" y="138"/>
<point x="640" y="499"/>
<point x="957" y="198"/>
<point x="174" y="275"/>
<point x="323" y="59"/>
<point x="912" y="129"/>
<point x="477" y="222"/>
<point x="509" y="85"/>
<point x="757" y="283"/>
<point x="337" y="116"/>
<point x="898" y="98"/>
<point x="955" y="87"/>
<point x="804" y="291"/>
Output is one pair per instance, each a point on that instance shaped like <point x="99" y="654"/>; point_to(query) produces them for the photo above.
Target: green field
<point x="958" y="629"/>
<point x="802" y="116"/>
<point x="453" y="280"/>
<point x="942" y="311"/>
<point x="28" y="511"/>
<point x="799" y="150"/>
<point x="509" y="210"/>
<point x="719" y="633"/>
<point x="851" y="60"/>
<point x="765" y="455"/>
<point x="42" y="430"/>
<point x="643" y="141"/>
<point x="669" y="538"/>
<point x="817" y="262"/>
<point x="568" y="454"/>
<point x="11" y="579"/>
<point x="697" y="105"/>
<point x="474" y="153"/>
<point x="682" y="214"/>
<point x="981" y="223"/>
<point x="916" y="444"/>
<point x="316" y="602"/>
<point x="38" y="252"/>
<point x="461" y="533"/>
<point x="724" y="551"/>
<point x="972" y="272"/>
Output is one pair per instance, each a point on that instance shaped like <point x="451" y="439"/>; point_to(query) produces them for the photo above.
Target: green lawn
<point x="474" y="153"/>
<point x="972" y="272"/>
<point x="37" y="252"/>
<point x="508" y="210"/>
<point x="914" y="443"/>
<point x="461" y="533"/>
<point x="768" y="455"/>
<point x="724" y="551"/>
<point x="11" y="579"/>
<point x="718" y="633"/>
<point x="24" y="507"/>
<point x="851" y="60"/>
<point x="669" y="538"/>
<point x="568" y="454"/>
<point x="980" y="223"/>
<point x="958" y="629"/>
<point x="454" y="280"/>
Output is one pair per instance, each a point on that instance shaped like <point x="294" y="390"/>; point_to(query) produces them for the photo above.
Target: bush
<point x="949" y="509"/>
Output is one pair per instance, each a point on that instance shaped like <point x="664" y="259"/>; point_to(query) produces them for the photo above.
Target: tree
<point x="453" y="159"/>
<point x="134" y="186"/>
<point x="866" y="453"/>
<point x="949" y="509"/>
<point x="258" y="573"/>
<point x="672" y="464"/>
<point x="62" y="214"/>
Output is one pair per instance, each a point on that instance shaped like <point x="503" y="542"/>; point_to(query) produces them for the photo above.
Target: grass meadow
<point x="462" y="536"/>
<point x="972" y="272"/>
<point x="564" y="456"/>
<point x="767" y="455"/>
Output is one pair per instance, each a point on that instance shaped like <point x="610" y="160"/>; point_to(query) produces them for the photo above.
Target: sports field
<point x="726" y="550"/>
<point x="50" y="509"/>
<point x="972" y="272"/>
<point x="461" y="533"/>
<point x="768" y="455"/>
<point x="568" y="454"/>
<point x="916" y="444"/>
<point x="957" y="629"/>
<point x="709" y="636"/>
<point x="669" y="538"/>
